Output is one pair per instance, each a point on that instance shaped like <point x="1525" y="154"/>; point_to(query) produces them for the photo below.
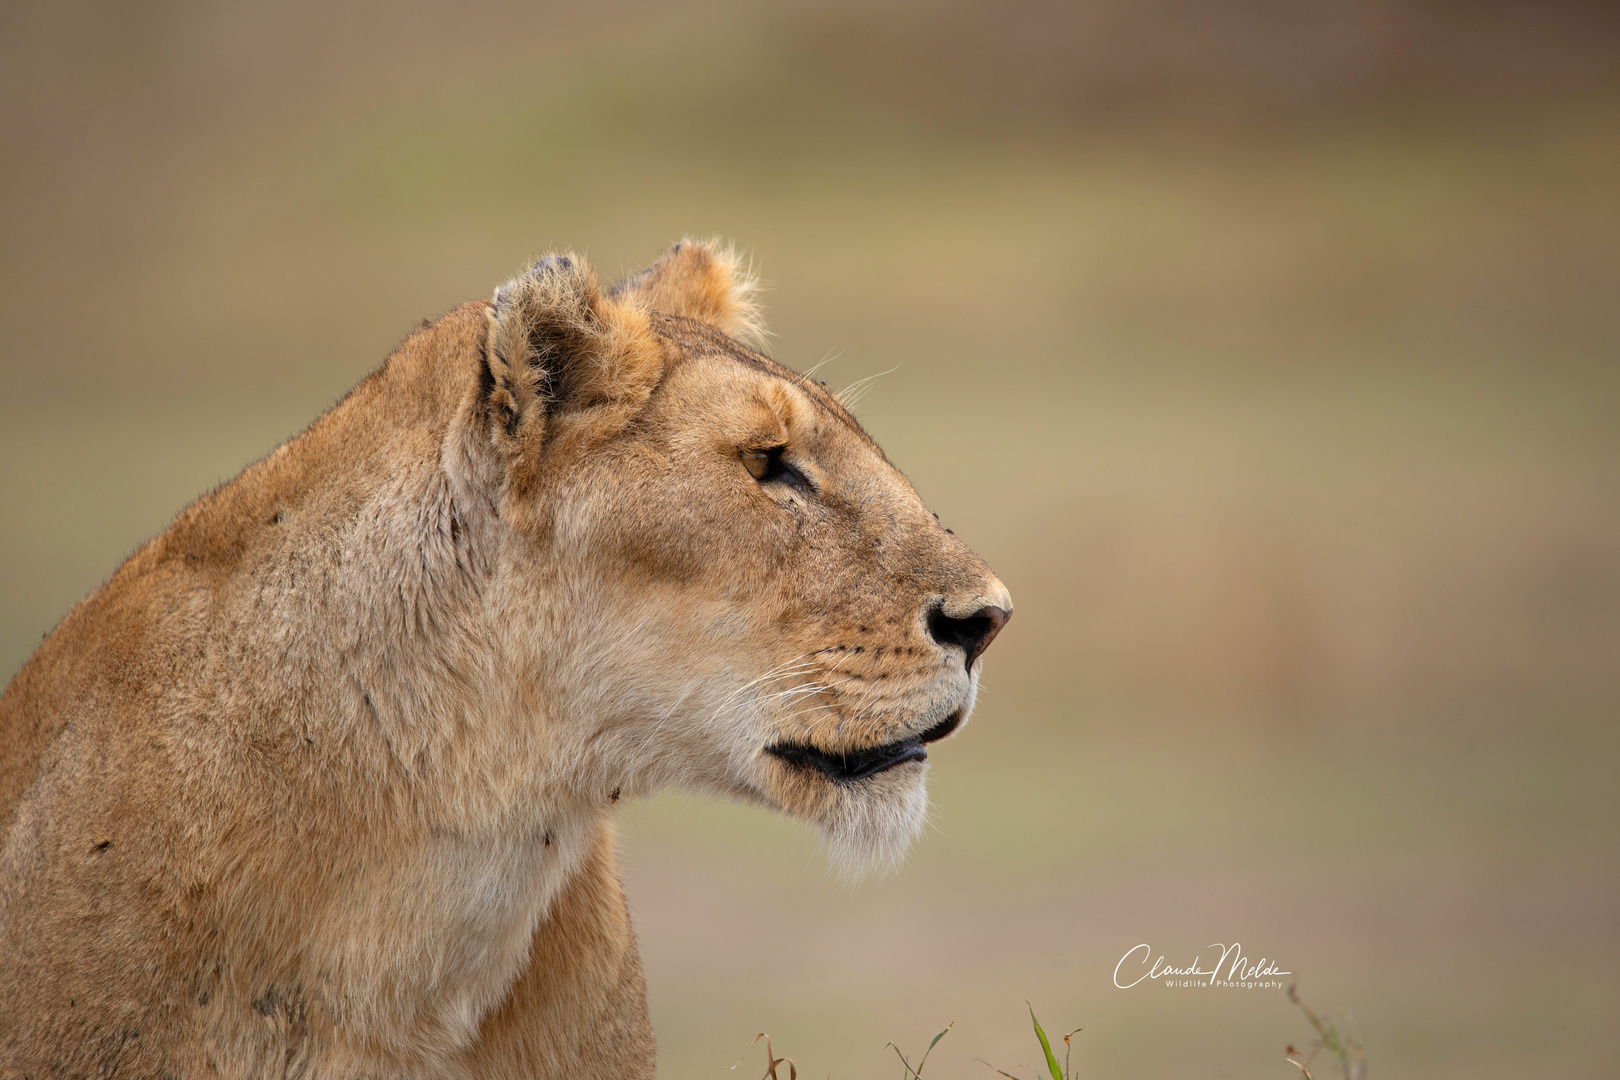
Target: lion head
<point x="335" y="753"/>
<point x="709" y="574"/>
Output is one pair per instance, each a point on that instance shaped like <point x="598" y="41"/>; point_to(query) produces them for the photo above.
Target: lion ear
<point x="556" y="345"/>
<point x="703" y="280"/>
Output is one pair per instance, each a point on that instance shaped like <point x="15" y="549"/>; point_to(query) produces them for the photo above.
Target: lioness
<point x="321" y="783"/>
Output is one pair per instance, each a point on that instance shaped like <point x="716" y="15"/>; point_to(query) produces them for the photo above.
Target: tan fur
<point x="321" y="782"/>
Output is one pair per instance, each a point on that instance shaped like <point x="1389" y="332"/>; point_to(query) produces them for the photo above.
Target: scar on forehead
<point x="784" y="402"/>
<point x="702" y="339"/>
<point x="793" y="407"/>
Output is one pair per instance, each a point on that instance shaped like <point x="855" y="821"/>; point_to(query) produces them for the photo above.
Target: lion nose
<point x="973" y="633"/>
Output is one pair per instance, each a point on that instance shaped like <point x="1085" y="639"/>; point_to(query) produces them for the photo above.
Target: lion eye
<point x="768" y="467"/>
<point x="760" y="463"/>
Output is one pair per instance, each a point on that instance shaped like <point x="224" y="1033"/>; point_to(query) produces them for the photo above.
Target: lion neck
<point x="435" y="826"/>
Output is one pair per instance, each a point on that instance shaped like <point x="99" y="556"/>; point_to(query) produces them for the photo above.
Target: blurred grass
<point x="1269" y="358"/>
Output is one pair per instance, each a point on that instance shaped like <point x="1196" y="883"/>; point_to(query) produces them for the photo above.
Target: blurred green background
<point x="1267" y="350"/>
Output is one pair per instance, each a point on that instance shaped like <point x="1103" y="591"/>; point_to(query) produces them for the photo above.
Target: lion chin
<point x="331" y="766"/>
<point x="870" y="833"/>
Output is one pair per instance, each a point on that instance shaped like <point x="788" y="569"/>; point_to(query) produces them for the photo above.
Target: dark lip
<point x="852" y="765"/>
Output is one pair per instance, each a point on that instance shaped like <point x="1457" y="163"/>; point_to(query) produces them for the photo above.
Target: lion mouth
<point x="848" y="766"/>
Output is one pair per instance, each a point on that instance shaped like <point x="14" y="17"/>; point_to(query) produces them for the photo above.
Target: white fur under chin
<point x="875" y="822"/>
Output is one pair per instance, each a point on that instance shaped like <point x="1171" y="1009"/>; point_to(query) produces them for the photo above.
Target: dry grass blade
<point x="985" y="1063"/>
<point x="751" y="1046"/>
<point x="1068" y="1047"/>
<point x="772" y="1062"/>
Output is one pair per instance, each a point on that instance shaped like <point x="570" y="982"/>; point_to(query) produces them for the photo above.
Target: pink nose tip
<point x="972" y="634"/>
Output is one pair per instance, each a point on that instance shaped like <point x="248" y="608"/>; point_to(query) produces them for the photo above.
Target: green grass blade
<point x="933" y="1044"/>
<point x="1046" y="1047"/>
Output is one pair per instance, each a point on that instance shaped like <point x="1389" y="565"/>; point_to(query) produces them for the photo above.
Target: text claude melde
<point x="1240" y="972"/>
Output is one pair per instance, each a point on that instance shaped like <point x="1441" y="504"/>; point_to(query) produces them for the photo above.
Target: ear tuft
<point x="705" y="280"/>
<point x="537" y="321"/>
<point x="556" y="341"/>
